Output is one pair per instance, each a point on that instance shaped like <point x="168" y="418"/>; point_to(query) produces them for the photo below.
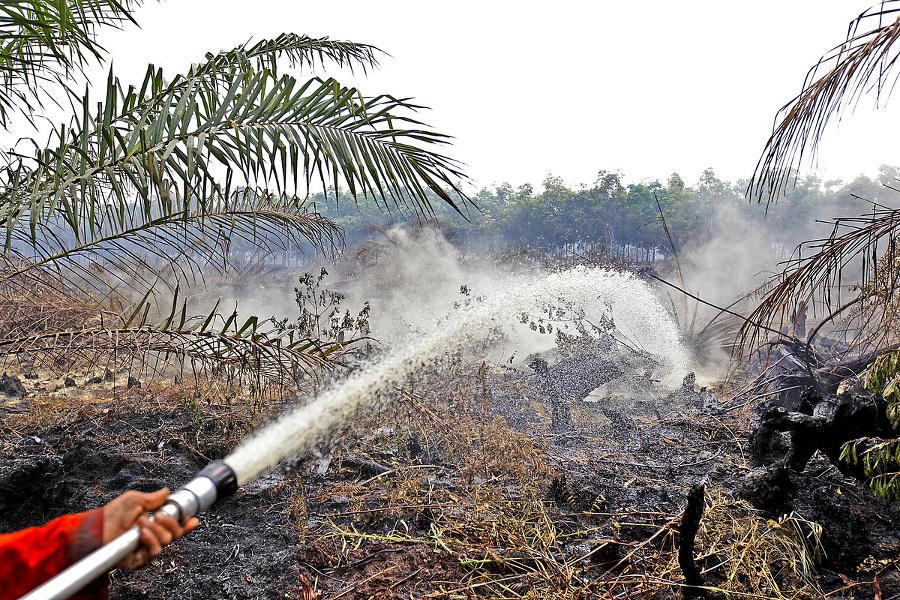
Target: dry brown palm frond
<point x="256" y="358"/>
<point x="853" y="276"/>
<point x="864" y="62"/>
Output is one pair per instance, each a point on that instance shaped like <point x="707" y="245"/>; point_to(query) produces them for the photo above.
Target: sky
<point x="567" y="87"/>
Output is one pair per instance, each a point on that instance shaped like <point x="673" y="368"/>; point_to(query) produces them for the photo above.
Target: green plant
<point x="321" y="317"/>
<point x="881" y="458"/>
<point x="148" y="186"/>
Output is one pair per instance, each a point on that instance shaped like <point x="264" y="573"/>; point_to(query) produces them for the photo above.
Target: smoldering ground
<point x="463" y="463"/>
<point x="442" y="493"/>
<point x="731" y="263"/>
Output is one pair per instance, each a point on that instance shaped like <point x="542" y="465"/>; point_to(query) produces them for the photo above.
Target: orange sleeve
<point x="32" y="556"/>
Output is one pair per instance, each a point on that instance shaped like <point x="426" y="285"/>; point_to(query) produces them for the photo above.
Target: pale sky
<point x="567" y="88"/>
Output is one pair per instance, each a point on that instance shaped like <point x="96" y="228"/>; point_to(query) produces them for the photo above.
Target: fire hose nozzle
<point x="216" y="481"/>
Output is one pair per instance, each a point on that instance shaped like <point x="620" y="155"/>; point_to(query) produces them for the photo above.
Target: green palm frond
<point x="189" y="241"/>
<point x="43" y="41"/>
<point x="301" y="51"/>
<point x="110" y="182"/>
<point x="169" y="179"/>
<point x="66" y="30"/>
<point x="880" y="460"/>
<point x="864" y="62"/>
<point x="128" y="154"/>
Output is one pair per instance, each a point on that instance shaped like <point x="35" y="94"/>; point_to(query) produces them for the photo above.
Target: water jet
<point x="637" y="311"/>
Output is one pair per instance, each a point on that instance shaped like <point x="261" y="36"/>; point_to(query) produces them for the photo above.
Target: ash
<point x="466" y="483"/>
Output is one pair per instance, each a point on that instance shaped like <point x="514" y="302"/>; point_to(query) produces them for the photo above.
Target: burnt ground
<point x="453" y="493"/>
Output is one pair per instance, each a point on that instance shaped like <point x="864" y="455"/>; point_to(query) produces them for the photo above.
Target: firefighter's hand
<point x="130" y="509"/>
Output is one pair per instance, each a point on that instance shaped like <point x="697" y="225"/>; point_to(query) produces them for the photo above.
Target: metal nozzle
<point x="214" y="482"/>
<point x="220" y="474"/>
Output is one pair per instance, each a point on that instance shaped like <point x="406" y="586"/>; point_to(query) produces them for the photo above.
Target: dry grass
<point x="742" y="554"/>
<point x="755" y="556"/>
<point x="484" y="503"/>
<point x="475" y="495"/>
<point x="38" y="302"/>
<point x="234" y="413"/>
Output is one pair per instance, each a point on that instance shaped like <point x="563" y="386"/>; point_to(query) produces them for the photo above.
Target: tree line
<point x="638" y="220"/>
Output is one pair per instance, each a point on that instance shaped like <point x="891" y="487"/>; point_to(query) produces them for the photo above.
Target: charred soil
<point x="455" y="493"/>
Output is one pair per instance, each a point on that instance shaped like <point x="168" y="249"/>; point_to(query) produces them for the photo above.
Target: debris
<point x="572" y="379"/>
<point x="364" y="466"/>
<point x="826" y="423"/>
<point x="464" y="501"/>
<point x="11" y="386"/>
<point x="709" y="403"/>
<point x="690" y="524"/>
<point x="768" y="489"/>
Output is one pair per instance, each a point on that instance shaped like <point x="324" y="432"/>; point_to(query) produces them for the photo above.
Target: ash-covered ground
<point x="461" y="490"/>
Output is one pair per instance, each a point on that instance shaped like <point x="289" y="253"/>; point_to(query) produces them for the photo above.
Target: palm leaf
<point x="265" y="129"/>
<point x="176" y="172"/>
<point x="850" y="277"/>
<point x="249" y="355"/>
<point x="43" y="42"/>
<point x="190" y="242"/>
<point x="301" y="51"/>
<point x="108" y="185"/>
<point x="249" y="349"/>
<point x="864" y="62"/>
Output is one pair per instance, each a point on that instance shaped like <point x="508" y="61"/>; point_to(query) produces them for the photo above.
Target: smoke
<point x="750" y="243"/>
<point x="628" y="298"/>
<point x="415" y="279"/>
<point x="737" y="259"/>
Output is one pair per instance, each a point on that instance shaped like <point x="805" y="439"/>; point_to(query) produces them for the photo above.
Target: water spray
<point x="631" y="301"/>
<point x="216" y="481"/>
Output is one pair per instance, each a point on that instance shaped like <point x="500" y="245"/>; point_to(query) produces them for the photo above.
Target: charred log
<point x="796" y="366"/>
<point x="572" y="380"/>
<point x="768" y="489"/>
<point x="825" y="423"/>
<point x="690" y="524"/>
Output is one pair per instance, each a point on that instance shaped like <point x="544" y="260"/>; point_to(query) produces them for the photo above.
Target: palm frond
<point x="301" y="51"/>
<point x="864" y="62"/>
<point x="250" y="349"/>
<point x="44" y="41"/>
<point x="180" y="173"/>
<point x="126" y="155"/>
<point x="852" y="274"/>
<point x="189" y="242"/>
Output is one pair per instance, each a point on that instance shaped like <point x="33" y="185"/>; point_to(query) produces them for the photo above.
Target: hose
<point x="214" y="482"/>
